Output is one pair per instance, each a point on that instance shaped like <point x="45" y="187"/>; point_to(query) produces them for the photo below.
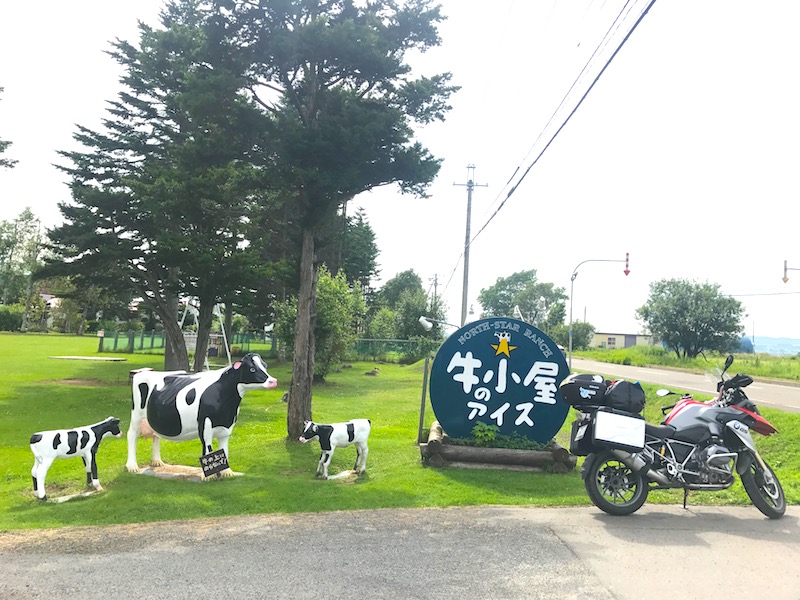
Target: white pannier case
<point x="612" y="429"/>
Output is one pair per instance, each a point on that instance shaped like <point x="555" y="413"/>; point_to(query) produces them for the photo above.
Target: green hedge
<point x="11" y="317"/>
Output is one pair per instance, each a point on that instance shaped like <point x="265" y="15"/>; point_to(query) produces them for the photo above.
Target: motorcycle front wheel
<point x="614" y="487"/>
<point x="764" y="490"/>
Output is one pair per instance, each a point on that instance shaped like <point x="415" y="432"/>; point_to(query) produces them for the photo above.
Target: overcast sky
<point x="684" y="154"/>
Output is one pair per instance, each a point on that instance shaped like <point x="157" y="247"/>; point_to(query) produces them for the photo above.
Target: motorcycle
<point x="698" y="446"/>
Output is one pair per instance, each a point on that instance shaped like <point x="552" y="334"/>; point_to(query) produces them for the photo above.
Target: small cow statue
<point x="179" y="406"/>
<point x="63" y="443"/>
<point x="339" y="435"/>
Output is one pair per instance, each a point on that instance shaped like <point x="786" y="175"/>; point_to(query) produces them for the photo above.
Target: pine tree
<point x="332" y="77"/>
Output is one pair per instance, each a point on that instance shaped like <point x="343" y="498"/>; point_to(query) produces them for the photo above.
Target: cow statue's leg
<point x="132" y="465"/>
<point x="155" y="453"/>
<point x="324" y="461"/>
<point x="223" y="445"/>
<point x="90" y="463"/>
<point x="39" y="472"/>
<point x="361" y="458"/>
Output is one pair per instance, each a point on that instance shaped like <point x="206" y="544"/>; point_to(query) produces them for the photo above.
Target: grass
<point x="40" y="392"/>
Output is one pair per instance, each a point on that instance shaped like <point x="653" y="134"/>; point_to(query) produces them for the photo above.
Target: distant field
<point x="756" y="365"/>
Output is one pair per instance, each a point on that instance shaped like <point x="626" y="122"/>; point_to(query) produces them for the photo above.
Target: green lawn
<point x="41" y="392"/>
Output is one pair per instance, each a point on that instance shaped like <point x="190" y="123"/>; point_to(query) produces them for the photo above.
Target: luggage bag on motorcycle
<point x="583" y="389"/>
<point x="618" y="430"/>
<point x="580" y="437"/>
<point x="625" y="395"/>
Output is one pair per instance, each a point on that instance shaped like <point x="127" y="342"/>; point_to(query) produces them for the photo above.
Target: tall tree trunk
<point x="165" y="304"/>
<point x="299" y="408"/>
<point x="176" y="358"/>
<point x="83" y="315"/>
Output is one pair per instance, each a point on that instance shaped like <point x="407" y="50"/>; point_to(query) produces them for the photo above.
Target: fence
<point x="153" y="342"/>
<point x="389" y="350"/>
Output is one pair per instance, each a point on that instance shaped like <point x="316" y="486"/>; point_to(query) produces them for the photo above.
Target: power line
<point x="763" y="294"/>
<point x="563" y="124"/>
<point x="561" y="127"/>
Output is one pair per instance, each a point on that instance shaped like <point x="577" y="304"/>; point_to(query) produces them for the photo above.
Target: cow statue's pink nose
<point x="270" y="383"/>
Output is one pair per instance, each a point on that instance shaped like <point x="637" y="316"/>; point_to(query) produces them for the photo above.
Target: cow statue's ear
<point x="237" y="364"/>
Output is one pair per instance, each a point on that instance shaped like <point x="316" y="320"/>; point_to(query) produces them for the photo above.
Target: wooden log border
<point x="438" y="453"/>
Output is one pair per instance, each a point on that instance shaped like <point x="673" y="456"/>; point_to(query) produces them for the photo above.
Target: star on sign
<point x="503" y="347"/>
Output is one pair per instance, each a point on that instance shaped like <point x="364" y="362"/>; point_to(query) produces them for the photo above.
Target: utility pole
<point x="435" y="301"/>
<point x="470" y="185"/>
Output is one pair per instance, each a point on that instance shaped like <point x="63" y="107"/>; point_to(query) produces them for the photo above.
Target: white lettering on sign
<point x="544" y="375"/>
<point x="214" y="462"/>
<point x="541" y="377"/>
<point x="536" y="339"/>
<point x="472" y="332"/>
<point x="467" y="376"/>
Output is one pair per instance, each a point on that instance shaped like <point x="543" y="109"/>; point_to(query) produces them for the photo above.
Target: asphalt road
<point x="771" y="394"/>
<point x="470" y="553"/>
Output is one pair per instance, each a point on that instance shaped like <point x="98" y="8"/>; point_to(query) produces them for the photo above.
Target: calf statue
<point x="63" y="443"/>
<point x="179" y="406"/>
<point x="355" y="432"/>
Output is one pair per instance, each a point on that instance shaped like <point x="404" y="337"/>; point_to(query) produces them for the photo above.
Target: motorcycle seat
<point x="661" y="432"/>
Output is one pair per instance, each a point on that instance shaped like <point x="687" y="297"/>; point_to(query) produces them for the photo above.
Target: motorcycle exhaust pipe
<point x="638" y="464"/>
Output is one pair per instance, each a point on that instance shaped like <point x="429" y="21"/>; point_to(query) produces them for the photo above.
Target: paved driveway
<point x="444" y="554"/>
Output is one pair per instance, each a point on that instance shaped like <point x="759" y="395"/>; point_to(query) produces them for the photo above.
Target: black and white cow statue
<point x="63" y="443"/>
<point x="179" y="406"/>
<point x="339" y="435"/>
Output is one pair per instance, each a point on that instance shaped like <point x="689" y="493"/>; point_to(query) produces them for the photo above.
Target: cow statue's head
<point x="252" y="372"/>
<point x="310" y="430"/>
<point x="111" y="427"/>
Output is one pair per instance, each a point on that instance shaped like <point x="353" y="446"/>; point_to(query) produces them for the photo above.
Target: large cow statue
<point x="181" y="406"/>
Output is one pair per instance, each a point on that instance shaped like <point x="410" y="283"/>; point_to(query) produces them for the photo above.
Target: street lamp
<point x="786" y="269"/>
<point x="572" y="284"/>
<point x="427" y="323"/>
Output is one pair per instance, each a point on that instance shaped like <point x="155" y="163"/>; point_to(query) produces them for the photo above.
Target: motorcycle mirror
<point x="662" y="392"/>
<point x="728" y="362"/>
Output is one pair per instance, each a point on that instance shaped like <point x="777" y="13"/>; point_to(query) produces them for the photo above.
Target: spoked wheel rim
<point x="614" y="487"/>
<point x="768" y="487"/>
<point x="765" y="490"/>
<point x="614" y="481"/>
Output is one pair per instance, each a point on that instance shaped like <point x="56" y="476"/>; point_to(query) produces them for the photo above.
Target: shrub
<point x="11" y="317"/>
<point x="485" y="435"/>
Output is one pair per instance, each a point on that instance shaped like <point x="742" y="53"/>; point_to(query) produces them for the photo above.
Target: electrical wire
<point x="564" y="123"/>
<point x="516" y="185"/>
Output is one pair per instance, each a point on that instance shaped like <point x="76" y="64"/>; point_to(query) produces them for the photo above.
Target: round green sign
<point x="501" y="372"/>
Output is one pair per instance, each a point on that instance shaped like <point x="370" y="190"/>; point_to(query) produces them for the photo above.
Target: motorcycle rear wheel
<point x="764" y="490"/>
<point x="614" y="487"/>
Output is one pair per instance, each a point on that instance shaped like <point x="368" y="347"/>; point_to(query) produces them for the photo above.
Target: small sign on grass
<point x="214" y="462"/>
